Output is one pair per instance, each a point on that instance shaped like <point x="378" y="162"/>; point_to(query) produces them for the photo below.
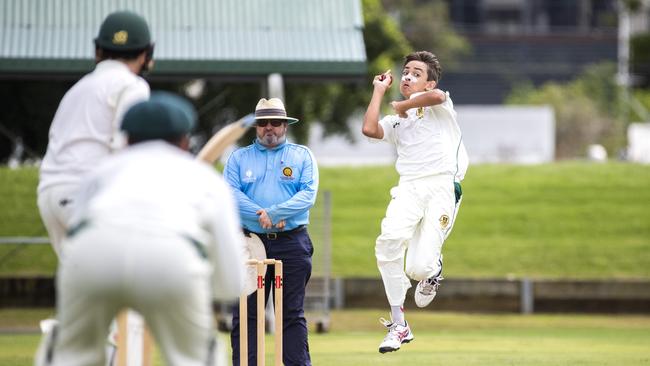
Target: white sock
<point x="397" y="315"/>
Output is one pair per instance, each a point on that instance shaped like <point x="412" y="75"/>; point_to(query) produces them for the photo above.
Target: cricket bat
<point x="224" y="138"/>
<point x="134" y="341"/>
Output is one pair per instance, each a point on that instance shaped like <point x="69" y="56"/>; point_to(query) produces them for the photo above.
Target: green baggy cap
<point x="123" y="31"/>
<point x="163" y="116"/>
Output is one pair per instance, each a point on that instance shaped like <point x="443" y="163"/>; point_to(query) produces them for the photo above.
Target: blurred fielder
<point x="153" y="230"/>
<point x="431" y="162"/>
<point x="85" y="128"/>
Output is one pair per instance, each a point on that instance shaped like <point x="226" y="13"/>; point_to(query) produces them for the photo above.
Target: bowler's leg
<point x="402" y="217"/>
<point x="424" y="259"/>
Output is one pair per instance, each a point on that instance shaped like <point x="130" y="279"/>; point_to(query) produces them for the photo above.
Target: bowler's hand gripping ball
<point x="385" y="75"/>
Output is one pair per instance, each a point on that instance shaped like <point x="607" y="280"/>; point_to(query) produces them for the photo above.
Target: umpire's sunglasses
<point x="273" y="122"/>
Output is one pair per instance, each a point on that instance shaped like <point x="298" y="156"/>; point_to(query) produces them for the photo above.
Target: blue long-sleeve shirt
<point x="282" y="180"/>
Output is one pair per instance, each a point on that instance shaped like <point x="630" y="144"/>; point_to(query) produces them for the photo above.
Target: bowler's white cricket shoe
<point x="397" y="334"/>
<point x="426" y="290"/>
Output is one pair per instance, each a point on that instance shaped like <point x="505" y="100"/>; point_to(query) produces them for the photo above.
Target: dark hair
<point x="106" y="54"/>
<point x="433" y="65"/>
<point x="174" y="140"/>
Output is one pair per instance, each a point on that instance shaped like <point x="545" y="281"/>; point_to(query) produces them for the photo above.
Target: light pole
<point x="623" y="70"/>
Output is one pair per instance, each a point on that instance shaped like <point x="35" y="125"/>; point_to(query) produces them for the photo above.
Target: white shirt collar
<point x="112" y="64"/>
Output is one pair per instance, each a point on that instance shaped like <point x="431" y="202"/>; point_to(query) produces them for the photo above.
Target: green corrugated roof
<point x="202" y="37"/>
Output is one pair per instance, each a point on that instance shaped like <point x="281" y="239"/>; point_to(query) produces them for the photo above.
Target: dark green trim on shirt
<point x="198" y="246"/>
<point x="77" y="228"/>
<point x="458" y="191"/>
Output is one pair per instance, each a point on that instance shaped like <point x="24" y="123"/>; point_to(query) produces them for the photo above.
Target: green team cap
<point x="163" y="116"/>
<point x="123" y="31"/>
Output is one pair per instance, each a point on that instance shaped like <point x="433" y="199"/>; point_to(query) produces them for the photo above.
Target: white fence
<point x="492" y="134"/>
<point x="638" y="137"/>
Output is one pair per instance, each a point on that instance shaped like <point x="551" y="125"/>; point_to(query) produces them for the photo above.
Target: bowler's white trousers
<point x="105" y="268"/>
<point x="418" y="219"/>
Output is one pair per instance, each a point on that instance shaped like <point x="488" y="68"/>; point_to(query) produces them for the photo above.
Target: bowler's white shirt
<point x="428" y="142"/>
<point x="86" y="124"/>
<point x="158" y="188"/>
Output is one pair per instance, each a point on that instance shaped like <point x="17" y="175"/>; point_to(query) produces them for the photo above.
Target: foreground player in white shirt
<point x="431" y="162"/>
<point x="153" y="230"/>
<point x="85" y="128"/>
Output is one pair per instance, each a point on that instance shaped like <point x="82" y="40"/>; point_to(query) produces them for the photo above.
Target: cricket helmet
<point x="123" y="31"/>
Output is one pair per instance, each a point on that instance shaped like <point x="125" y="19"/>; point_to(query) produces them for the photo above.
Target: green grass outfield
<point x="442" y="339"/>
<point x="570" y="219"/>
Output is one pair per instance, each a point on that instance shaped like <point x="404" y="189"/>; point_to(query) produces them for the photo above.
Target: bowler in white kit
<point x="431" y="162"/>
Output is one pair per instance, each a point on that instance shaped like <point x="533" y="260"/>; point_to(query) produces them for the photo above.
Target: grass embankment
<point x="575" y="220"/>
<point x="447" y="339"/>
<point x="559" y="220"/>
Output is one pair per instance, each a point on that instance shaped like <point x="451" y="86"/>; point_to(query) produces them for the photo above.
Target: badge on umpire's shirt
<point x="287" y="173"/>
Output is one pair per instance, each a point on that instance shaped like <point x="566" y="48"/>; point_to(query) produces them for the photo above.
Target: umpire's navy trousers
<point x="295" y="250"/>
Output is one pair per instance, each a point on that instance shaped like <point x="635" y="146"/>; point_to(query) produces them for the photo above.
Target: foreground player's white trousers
<point x="107" y="268"/>
<point x="419" y="218"/>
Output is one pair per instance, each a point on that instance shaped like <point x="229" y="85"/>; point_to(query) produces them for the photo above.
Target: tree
<point x="28" y="108"/>
<point x="333" y="103"/>
<point x="587" y="109"/>
<point x="32" y="104"/>
<point x="640" y="58"/>
<point x="426" y="26"/>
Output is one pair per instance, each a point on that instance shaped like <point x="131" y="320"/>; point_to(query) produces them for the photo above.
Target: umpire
<point x="275" y="184"/>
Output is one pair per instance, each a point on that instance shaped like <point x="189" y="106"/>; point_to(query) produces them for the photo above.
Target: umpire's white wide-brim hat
<point x="272" y="109"/>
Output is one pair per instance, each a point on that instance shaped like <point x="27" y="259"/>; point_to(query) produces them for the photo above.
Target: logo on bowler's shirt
<point x="419" y="113"/>
<point x="444" y="221"/>
<point x="395" y="124"/>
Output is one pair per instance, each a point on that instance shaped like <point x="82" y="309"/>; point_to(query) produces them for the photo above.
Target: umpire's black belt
<point x="276" y="235"/>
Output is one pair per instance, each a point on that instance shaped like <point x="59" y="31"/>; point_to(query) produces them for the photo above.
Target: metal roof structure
<point x="193" y="37"/>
